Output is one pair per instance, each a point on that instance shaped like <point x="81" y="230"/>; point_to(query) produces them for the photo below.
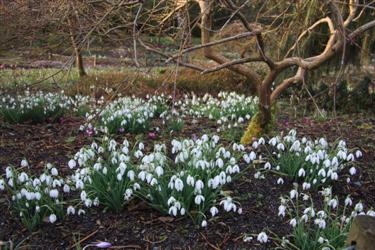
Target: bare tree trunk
<point x="77" y="51"/>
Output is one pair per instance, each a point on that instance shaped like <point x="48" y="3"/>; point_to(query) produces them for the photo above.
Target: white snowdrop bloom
<point x="321" y="223"/>
<point x="79" y="184"/>
<point x="358" y="154"/>
<point x="182" y="211"/>
<point x="350" y="157"/>
<point x="273" y="141"/>
<point x="131" y="175"/>
<point x="327" y="163"/>
<point x="255" y="144"/>
<point x="171" y="201"/>
<point x="70" y="210"/>
<point x="72" y="164"/>
<point x="333" y="203"/>
<point x="214" y="211"/>
<point x="252" y="155"/>
<point x="293" y="194"/>
<point x="246" y="158"/>
<point x="23" y="177"/>
<point x="8" y="173"/>
<point x="81" y="212"/>
<point x="280" y="146"/>
<point x="199" y="199"/>
<point x="239" y="210"/>
<point x="219" y="163"/>
<point x="2" y="185"/>
<point x="24" y="163"/>
<point x="105" y="170"/>
<point x="38" y="196"/>
<point x="247" y="239"/>
<point x="322" y="173"/>
<point x="267" y="165"/>
<point x="301" y="172"/>
<point x="321" y="240"/>
<point x="173" y="211"/>
<point x="119" y="177"/>
<point x="282" y="209"/>
<point x="125" y="150"/>
<point x="306" y="186"/>
<point x="52" y="218"/>
<point x="334" y="176"/>
<point x="159" y="171"/>
<point x="352" y="171"/>
<point x="53" y="193"/>
<point x="178" y="184"/>
<point x="204" y="223"/>
<point x="348" y="201"/>
<point x="304" y="218"/>
<point x="54" y="172"/>
<point x="262" y="237"/>
<point x="257" y="175"/>
<point x="190" y="180"/>
<point x="235" y="169"/>
<point x="371" y="213"/>
<point x="280" y="181"/>
<point x="293" y="222"/>
<point x="358" y="207"/>
<point x="66" y="188"/>
<point x="199" y="185"/>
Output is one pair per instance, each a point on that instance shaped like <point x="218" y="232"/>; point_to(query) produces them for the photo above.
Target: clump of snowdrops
<point x="229" y="108"/>
<point x="313" y="163"/>
<point x="35" y="198"/>
<point x="40" y="106"/>
<point x="318" y="226"/>
<point x="105" y="174"/>
<point x="128" y="114"/>
<point x="192" y="184"/>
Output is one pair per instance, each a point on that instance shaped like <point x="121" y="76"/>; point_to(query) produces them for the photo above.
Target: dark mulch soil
<point x="139" y="227"/>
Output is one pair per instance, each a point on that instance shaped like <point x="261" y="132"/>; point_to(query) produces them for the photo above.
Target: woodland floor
<point x="139" y="227"/>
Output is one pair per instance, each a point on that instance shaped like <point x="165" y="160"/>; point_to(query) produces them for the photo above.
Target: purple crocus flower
<point x="152" y="135"/>
<point x="103" y="244"/>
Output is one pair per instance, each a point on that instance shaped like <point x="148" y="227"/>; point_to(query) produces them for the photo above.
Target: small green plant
<point x="35" y="199"/>
<point x="105" y="175"/>
<point x="175" y="125"/>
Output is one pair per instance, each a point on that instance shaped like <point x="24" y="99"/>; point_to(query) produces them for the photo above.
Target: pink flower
<point x="152" y="135"/>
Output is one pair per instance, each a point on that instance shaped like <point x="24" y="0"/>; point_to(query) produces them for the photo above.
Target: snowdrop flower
<point x="301" y="172"/>
<point x="320" y="222"/>
<point x="159" y="171"/>
<point x="267" y="165"/>
<point x="214" y="211"/>
<point x="2" y="185"/>
<point x="199" y="199"/>
<point x="199" y="185"/>
<point x="252" y="155"/>
<point x="24" y="163"/>
<point x="358" y="154"/>
<point x="204" y="223"/>
<point x="358" y="207"/>
<point x="282" y="209"/>
<point x="280" y="146"/>
<point x="333" y="203"/>
<point x="293" y="194"/>
<point x="54" y="172"/>
<point x="178" y="184"/>
<point x="190" y="180"/>
<point x="173" y="211"/>
<point x="262" y="237"/>
<point x="306" y="186"/>
<point x="72" y="164"/>
<point x="348" y="201"/>
<point x="293" y="222"/>
<point x="66" y="188"/>
<point x="352" y="171"/>
<point x="81" y="211"/>
<point x="70" y="210"/>
<point x="53" y="193"/>
<point x="280" y="181"/>
<point x="52" y="218"/>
